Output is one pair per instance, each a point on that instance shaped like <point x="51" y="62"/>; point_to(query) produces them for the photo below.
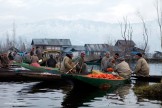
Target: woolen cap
<point x="139" y="54"/>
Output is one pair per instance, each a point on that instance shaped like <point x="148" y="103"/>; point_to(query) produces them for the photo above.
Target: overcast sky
<point x="96" y="10"/>
<point x="111" y="11"/>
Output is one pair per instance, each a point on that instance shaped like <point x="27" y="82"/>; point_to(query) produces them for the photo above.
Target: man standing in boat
<point x="142" y="67"/>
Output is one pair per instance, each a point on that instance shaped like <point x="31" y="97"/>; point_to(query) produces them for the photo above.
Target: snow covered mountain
<point x="81" y="32"/>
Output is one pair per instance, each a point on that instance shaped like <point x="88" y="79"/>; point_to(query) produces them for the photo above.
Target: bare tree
<point x="145" y="32"/>
<point x="141" y="45"/>
<point x="7" y="41"/>
<point x="110" y="42"/>
<point x="126" y="32"/>
<point x="14" y="34"/>
<point x="159" y="16"/>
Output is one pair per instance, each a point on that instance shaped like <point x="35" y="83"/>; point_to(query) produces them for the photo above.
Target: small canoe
<point x="40" y="76"/>
<point x="151" y="78"/>
<point x="39" y="69"/>
<point x="96" y="82"/>
<point x="11" y="75"/>
<point x="93" y="63"/>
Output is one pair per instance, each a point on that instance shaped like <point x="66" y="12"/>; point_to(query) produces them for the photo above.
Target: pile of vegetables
<point x="110" y="69"/>
<point x="104" y="76"/>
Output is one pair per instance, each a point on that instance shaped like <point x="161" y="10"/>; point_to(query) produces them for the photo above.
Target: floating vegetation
<point x="150" y="91"/>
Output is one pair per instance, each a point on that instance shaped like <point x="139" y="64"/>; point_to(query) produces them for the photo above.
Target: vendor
<point x="142" y="67"/>
<point x="123" y="68"/>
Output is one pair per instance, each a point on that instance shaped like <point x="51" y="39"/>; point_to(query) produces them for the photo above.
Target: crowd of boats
<point x="28" y="67"/>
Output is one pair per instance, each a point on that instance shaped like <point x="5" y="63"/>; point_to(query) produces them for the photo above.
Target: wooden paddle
<point x="72" y="68"/>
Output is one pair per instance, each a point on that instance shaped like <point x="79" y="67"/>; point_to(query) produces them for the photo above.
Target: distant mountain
<point x="81" y="32"/>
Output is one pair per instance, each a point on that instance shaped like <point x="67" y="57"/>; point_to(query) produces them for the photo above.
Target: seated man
<point x="18" y="58"/>
<point x="34" y="61"/>
<point x="104" y="61"/>
<point x="27" y="58"/>
<point x="112" y="61"/>
<point x="81" y="67"/>
<point x="67" y="66"/>
<point x="51" y="62"/>
<point x="5" y="62"/>
<point x="123" y="68"/>
<point x="142" y="67"/>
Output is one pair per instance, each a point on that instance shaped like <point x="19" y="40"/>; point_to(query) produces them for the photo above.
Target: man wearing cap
<point x="81" y="66"/>
<point x="113" y="61"/>
<point x="123" y="68"/>
<point x="67" y="65"/>
<point x="142" y="67"/>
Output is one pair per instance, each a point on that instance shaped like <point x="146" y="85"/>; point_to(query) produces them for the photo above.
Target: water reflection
<point x="43" y="87"/>
<point x="55" y="95"/>
<point x="58" y="94"/>
<point x="43" y="94"/>
<point x="79" y="97"/>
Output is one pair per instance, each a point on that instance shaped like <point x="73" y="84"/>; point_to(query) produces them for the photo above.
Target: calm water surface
<point x="59" y="95"/>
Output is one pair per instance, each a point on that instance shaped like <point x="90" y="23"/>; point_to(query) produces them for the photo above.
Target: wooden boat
<point x="95" y="82"/>
<point x="7" y="74"/>
<point x="39" y="69"/>
<point x="150" y="78"/>
<point x="93" y="63"/>
<point x="40" y="76"/>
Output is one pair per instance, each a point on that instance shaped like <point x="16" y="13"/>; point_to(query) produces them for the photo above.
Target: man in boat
<point x="67" y="66"/>
<point x="11" y="56"/>
<point x="51" y="62"/>
<point x="123" y="68"/>
<point x="34" y="61"/>
<point x="113" y="61"/>
<point x="39" y="53"/>
<point x="27" y="58"/>
<point x="5" y="62"/>
<point x="18" y="58"/>
<point x="32" y="52"/>
<point x="81" y="66"/>
<point x="104" y="61"/>
<point x="142" y="67"/>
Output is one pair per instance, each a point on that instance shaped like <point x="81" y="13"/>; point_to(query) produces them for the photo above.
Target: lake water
<point x="64" y="95"/>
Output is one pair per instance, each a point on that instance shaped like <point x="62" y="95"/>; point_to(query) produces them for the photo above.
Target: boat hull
<point x="104" y="84"/>
<point x="36" y="76"/>
<point x="39" y="69"/>
<point x="151" y="78"/>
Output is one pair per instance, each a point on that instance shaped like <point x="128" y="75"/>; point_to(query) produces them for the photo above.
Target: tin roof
<point x="75" y="48"/>
<point x="60" y="42"/>
<point x="115" y="49"/>
<point x="97" y="47"/>
<point x="123" y="42"/>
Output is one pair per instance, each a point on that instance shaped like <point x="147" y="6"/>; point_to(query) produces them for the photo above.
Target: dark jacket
<point x="51" y="62"/>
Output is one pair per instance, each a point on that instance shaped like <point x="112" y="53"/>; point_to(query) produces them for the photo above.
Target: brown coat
<point x="104" y="63"/>
<point x="123" y="69"/>
<point x="66" y="64"/>
<point x="34" y="59"/>
<point x="142" y="67"/>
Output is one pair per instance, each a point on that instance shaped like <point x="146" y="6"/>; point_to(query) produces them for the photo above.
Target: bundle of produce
<point x="110" y="70"/>
<point x="105" y="76"/>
